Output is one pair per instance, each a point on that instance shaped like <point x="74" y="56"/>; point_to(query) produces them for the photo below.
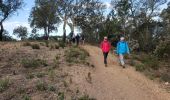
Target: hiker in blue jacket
<point x="122" y="49"/>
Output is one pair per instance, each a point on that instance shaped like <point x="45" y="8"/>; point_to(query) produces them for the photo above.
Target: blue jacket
<point x="122" y="47"/>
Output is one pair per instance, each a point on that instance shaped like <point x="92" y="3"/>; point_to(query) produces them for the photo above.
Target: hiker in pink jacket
<point x="105" y="46"/>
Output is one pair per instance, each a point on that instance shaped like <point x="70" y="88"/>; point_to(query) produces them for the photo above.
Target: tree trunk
<point x="64" y="29"/>
<point x="1" y="31"/>
<point x="46" y="33"/>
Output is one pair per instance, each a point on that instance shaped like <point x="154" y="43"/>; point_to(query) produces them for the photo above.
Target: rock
<point x="166" y="83"/>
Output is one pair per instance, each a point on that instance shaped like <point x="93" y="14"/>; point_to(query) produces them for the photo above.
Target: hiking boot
<point x="123" y="66"/>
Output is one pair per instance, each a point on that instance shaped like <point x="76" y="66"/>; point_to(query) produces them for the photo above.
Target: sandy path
<point x="115" y="83"/>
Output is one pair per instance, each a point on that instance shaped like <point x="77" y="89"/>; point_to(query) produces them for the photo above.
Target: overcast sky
<point x="21" y="18"/>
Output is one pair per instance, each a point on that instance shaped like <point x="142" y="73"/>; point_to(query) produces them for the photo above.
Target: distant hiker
<point x="122" y="49"/>
<point x="73" y="39"/>
<point x="70" y="37"/>
<point x="105" y="46"/>
<point x="77" y="39"/>
<point x="82" y="39"/>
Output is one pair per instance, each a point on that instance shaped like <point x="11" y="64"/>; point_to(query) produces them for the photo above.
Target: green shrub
<point x="61" y="96"/>
<point x="165" y="77"/>
<point x="163" y="49"/>
<point x="41" y="86"/>
<point x="51" y="74"/>
<point x="132" y="62"/>
<point x="140" y="67"/>
<point x="76" y="55"/>
<point x="35" y="46"/>
<point x="52" y="47"/>
<point x="42" y="44"/>
<point x="26" y="97"/>
<point x="30" y="76"/>
<point x="4" y="84"/>
<point x="51" y="88"/>
<point x="33" y="63"/>
<point x="62" y="44"/>
<point x="56" y="64"/>
<point x="57" y="46"/>
<point x="46" y="43"/>
<point x="86" y="97"/>
<point x="26" y="44"/>
<point x="149" y="60"/>
<point x="40" y="75"/>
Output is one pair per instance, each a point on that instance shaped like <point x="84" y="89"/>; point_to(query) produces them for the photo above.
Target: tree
<point x="21" y="32"/>
<point x="65" y="11"/>
<point x="44" y="16"/>
<point x="122" y="8"/>
<point x="6" y="36"/>
<point x="90" y="18"/>
<point x="139" y="19"/>
<point x="7" y="9"/>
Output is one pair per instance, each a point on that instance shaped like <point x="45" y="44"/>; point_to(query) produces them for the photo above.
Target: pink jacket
<point x="105" y="46"/>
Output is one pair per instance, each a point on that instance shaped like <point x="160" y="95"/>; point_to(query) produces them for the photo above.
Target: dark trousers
<point x="105" y="54"/>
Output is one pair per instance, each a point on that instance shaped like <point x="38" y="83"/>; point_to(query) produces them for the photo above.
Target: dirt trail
<point x="115" y="83"/>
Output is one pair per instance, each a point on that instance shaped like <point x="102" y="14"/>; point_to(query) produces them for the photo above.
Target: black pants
<point x="105" y="54"/>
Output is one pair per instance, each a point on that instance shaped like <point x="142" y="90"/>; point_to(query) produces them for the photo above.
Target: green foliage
<point x="49" y="21"/>
<point x="61" y="96"/>
<point x="40" y="75"/>
<point x="51" y="74"/>
<point x="21" y="32"/>
<point x="76" y="55"/>
<point x="140" y="67"/>
<point x="51" y="88"/>
<point x="148" y="60"/>
<point x="57" y="46"/>
<point x="4" y="84"/>
<point x="86" y="97"/>
<point x="165" y="77"/>
<point x="27" y="44"/>
<point x="26" y="97"/>
<point x="33" y="63"/>
<point x="8" y="8"/>
<point x="41" y="86"/>
<point x="62" y="45"/>
<point x="30" y="76"/>
<point x="35" y="46"/>
<point x="163" y="49"/>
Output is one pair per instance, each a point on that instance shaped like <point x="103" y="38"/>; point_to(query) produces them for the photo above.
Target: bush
<point x="26" y="44"/>
<point x="76" y="55"/>
<point x="26" y="97"/>
<point x="86" y="97"/>
<point x="51" y="88"/>
<point x="40" y="75"/>
<point x="33" y="63"/>
<point x="151" y="62"/>
<point x="61" y="96"/>
<point x="163" y="49"/>
<point x="35" y="46"/>
<point x="165" y="77"/>
<point x="57" y="46"/>
<point x="62" y="44"/>
<point x="51" y="74"/>
<point x="4" y="84"/>
<point x="30" y="76"/>
<point x="140" y="67"/>
<point x="41" y="86"/>
<point x="46" y="43"/>
<point x="134" y="45"/>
